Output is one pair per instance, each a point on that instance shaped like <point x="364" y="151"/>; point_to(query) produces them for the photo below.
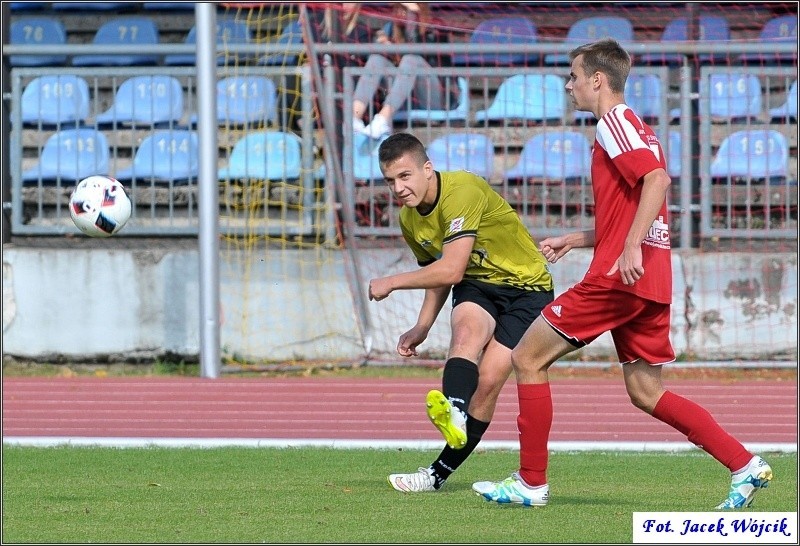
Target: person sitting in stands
<point x="411" y="23"/>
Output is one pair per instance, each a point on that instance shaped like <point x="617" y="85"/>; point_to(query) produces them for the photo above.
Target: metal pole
<point x="5" y="127"/>
<point x="690" y="134"/>
<point x="208" y="194"/>
<point x="688" y="161"/>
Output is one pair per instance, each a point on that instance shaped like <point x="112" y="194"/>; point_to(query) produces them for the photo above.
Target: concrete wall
<point x="95" y="304"/>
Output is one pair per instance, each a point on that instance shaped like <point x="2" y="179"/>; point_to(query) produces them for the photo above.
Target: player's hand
<point x="407" y="346"/>
<point x="553" y="248"/>
<point x="379" y="289"/>
<point x="629" y="266"/>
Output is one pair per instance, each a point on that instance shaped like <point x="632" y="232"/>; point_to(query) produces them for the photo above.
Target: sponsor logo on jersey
<point x="658" y="234"/>
<point x="456" y="224"/>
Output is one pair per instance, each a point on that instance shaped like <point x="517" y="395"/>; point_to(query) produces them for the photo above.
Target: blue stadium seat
<point x="467" y="151"/>
<point x="642" y="93"/>
<point x="590" y="29"/>
<point x="712" y="28"/>
<point x="788" y="110"/>
<point x="555" y="156"/>
<point x="166" y="155"/>
<point x="754" y="153"/>
<point x="529" y="97"/>
<point x="132" y="30"/>
<point x="501" y="30"/>
<point x="71" y="154"/>
<point x="459" y="113"/>
<point x="733" y="96"/>
<point x="264" y="155"/>
<point x="291" y="34"/>
<point x="365" y="157"/>
<point x="229" y="31"/>
<point x="674" y="154"/>
<point x="781" y="29"/>
<point x="55" y="100"/>
<point x="37" y="31"/>
<point x="245" y="100"/>
<point x="145" y="100"/>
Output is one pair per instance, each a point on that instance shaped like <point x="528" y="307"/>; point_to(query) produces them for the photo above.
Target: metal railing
<point x="170" y="210"/>
<point x="162" y="206"/>
<point x="552" y="206"/>
<point x="758" y="199"/>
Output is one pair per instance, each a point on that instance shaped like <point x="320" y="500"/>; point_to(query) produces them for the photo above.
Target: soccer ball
<point x="99" y="206"/>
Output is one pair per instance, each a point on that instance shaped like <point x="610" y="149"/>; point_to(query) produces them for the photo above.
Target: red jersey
<point x="626" y="149"/>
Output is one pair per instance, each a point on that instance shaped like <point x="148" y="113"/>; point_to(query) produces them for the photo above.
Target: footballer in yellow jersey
<point x="503" y="251"/>
<point x="467" y="239"/>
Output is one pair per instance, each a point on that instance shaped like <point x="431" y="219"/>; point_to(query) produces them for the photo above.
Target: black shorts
<point x="513" y="309"/>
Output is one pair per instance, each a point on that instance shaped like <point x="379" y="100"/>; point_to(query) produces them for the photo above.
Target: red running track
<point x="597" y="412"/>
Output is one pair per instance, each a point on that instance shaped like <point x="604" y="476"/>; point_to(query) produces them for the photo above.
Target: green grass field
<point x="254" y="495"/>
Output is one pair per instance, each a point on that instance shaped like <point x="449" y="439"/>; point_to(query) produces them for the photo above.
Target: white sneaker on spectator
<point x="378" y="127"/>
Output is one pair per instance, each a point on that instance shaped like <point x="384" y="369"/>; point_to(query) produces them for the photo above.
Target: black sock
<point x="459" y="382"/>
<point x="450" y="459"/>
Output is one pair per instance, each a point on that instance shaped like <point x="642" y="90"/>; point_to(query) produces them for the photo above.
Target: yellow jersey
<point x="504" y="252"/>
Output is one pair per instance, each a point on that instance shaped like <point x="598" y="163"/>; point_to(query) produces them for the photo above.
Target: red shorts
<point x="640" y="328"/>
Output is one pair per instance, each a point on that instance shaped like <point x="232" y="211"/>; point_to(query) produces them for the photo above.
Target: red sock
<point x="534" y="421"/>
<point x="701" y="429"/>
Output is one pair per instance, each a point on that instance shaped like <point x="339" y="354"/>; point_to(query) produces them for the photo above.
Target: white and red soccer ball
<point x="99" y="206"/>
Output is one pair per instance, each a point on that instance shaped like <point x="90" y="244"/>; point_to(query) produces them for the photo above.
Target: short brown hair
<point x="608" y="57"/>
<point x="400" y="144"/>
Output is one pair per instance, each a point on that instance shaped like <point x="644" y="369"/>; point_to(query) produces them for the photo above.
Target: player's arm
<point x="432" y="304"/>
<point x="446" y="271"/>
<point x="554" y="248"/>
<point x="654" y="192"/>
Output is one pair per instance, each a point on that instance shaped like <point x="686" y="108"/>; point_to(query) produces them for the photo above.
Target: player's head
<point x="400" y="144"/>
<point x="605" y="57"/>
<point x="406" y="168"/>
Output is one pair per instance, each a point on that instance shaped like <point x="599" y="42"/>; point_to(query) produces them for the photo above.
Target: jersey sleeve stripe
<point x="460" y="234"/>
<point x="615" y="126"/>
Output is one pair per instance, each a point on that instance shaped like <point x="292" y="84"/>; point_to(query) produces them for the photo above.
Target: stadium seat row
<point x="137" y="30"/>
<point x="553" y="155"/>
<point x="244" y="100"/>
<point x="100" y="6"/>
<point x="565" y="155"/>
<point x="164" y="156"/>
<point x="145" y="100"/>
<point x="172" y="156"/>
<point x="142" y="30"/>
<point x="522" y="30"/>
